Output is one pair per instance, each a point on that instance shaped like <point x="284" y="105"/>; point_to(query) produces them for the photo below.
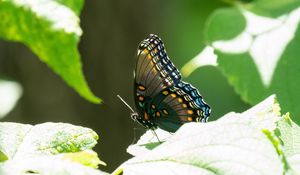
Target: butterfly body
<point x="162" y="99"/>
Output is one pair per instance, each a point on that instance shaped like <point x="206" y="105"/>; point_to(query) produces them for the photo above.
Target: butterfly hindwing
<point x="195" y="99"/>
<point x="173" y="108"/>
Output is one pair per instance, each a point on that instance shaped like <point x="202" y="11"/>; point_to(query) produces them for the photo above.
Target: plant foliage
<point x="50" y="28"/>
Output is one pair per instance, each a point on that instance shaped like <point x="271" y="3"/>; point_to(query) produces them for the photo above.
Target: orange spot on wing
<point x="179" y="100"/>
<point x="146" y="51"/>
<point x="142" y="88"/>
<point x="184" y="105"/>
<point x="146" y="116"/>
<point x="154" y="70"/>
<point x="165" y="92"/>
<point x="153" y="106"/>
<point x="190" y="119"/>
<point x="141" y="98"/>
<point x="173" y="95"/>
<point x="149" y="56"/>
<point x="157" y="114"/>
<point x="190" y="112"/>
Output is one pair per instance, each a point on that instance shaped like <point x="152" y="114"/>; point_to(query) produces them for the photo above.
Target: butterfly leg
<point x="154" y="133"/>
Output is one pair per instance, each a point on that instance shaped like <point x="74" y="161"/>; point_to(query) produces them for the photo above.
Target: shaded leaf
<point x="272" y="8"/>
<point x="261" y="59"/>
<point x="222" y="24"/>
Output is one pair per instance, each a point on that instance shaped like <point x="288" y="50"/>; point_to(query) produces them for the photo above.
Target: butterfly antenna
<point x="156" y="135"/>
<point x="125" y="103"/>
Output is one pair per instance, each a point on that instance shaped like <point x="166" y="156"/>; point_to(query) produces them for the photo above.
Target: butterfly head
<point x="134" y="116"/>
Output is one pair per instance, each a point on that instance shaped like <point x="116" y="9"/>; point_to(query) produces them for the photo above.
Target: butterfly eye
<point x="134" y="116"/>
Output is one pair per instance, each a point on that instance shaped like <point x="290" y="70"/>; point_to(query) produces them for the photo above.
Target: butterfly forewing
<point x="162" y="99"/>
<point x="150" y="79"/>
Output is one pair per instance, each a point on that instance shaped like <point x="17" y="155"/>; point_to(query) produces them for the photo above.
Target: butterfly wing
<point x="196" y="100"/>
<point x="150" y="77"/>
<point x="162" y="99"/>
<point x="178" y="107"/>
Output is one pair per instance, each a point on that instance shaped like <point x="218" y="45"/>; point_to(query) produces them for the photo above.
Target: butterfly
<point x="161" y="98"/>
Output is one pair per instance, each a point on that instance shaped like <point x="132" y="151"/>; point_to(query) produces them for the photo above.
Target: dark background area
<point x="112" y="32"/>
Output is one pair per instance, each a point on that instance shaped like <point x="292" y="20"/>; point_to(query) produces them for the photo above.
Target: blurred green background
<point x="112" y="32"/>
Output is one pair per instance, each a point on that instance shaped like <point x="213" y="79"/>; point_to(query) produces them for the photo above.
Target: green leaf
<point x="234" y="144"/>
<point x="277" y="145"/>
<point x="19" y="140"/>
<point x="294" y="162"/>
<point x="265" y="114"/>
<point x="49" y="165"/>
<point x="87" y="158"/>
<point x="57" y="148"/>
<point x="3" y="157"/>
<point x="11" y="138"/>
<point x="261" y="59"/>
<point x="272" y="8"/>
<point x="148" y="142"/>
<point x="51" y="30"/>
<point x="222" y="24"/>
<point x="75" y="5"/>
<point x="289" y="133"/>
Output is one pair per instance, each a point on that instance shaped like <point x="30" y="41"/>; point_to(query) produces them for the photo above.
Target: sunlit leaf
<point x="289" y="134"/>
<point x="54" y="148"/>
<point x="87" y="158"/>
<point x="49" y="165"/>
<point x="234" y="144"/>
<point x="294" y="162"/>
<point x="19" y="140"/>
<point x="204" y="58"/>
<point x="50" y="28"/>
<point x="11" y="137"/>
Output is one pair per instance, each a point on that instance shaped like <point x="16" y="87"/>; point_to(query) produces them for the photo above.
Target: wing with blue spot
<point x="195" y="97"/>
<point x="164" y="60"/>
